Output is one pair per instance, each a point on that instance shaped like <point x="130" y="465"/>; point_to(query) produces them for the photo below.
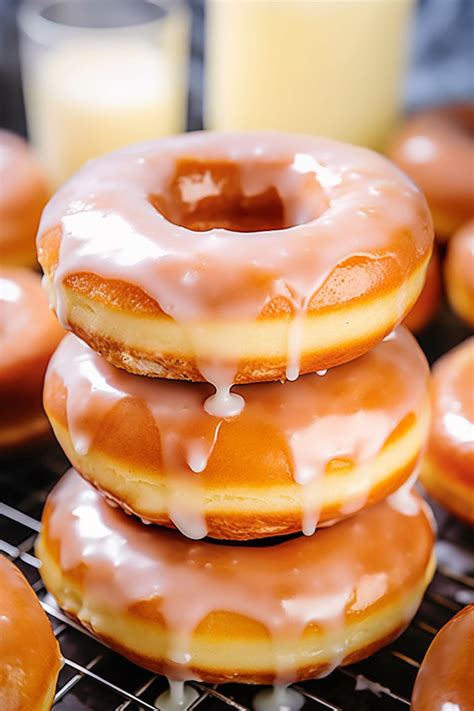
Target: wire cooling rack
<point x="96" y="678"/>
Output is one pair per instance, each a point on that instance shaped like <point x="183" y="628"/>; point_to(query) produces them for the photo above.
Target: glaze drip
<point x="405" y="499"/>
<point x="179" y="697"/>
<point x="364" y="684"/>
<point x="278" y="698"/>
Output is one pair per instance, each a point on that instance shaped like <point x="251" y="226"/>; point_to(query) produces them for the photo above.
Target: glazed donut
<point x="436" y="149"/>
<point x="448" y="468"/>
<point x="299" y="454"/>
<point x="221" y="613"/>
<point x="23" y="195"/>
<point x="29" y="333"/>
<point x="444" y="682"/>
<point x="459" y="273"/>
<point x="235" y="258"/>
<point x="428" y="302"/>
<point x="29" y="653"/>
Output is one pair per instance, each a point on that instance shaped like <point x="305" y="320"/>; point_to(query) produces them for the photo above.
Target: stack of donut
<point x="240" y="263"/>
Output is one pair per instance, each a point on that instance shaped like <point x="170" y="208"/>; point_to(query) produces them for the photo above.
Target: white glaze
<point x="364" y="684"/>
<point x="278" y="698"/>
<point x="404" y="499"/>
<point x="179" y="697"/>
<point x="10" y="291"/>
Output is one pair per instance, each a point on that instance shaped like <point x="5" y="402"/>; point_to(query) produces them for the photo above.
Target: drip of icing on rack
<point x="278" y="698"/>
<point x="179" y="697"/>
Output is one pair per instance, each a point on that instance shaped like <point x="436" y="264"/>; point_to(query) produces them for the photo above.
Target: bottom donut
<point x="216" y="612"/>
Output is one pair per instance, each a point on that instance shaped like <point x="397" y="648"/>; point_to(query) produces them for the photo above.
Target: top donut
<point x="235" y="257"/>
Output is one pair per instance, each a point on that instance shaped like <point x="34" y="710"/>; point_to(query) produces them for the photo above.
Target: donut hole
<point x="262" y="196"/>
<point x="268" y="542"/>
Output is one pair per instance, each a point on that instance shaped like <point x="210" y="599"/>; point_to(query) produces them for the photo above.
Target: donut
<point x="299" y="454"/>
<point x="428" y="302"/>
<point x="23" y="196"/>
<point x="448" y="468"/>
<point x="444" y="681"/>
<point x="235" y="258"/>
<point x="29" y="333"/>
<point x="218" y="612"/>
<point x="29" y="653"/>
<point x="436" y="149"/>
<point x="459" y="273"/>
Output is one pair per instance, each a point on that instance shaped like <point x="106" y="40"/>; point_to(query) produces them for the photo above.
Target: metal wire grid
<point x="96" y="678"/>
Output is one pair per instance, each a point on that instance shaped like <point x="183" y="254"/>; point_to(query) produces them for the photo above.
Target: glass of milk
<point x="100" y="74"/>
<point x="328" y="67"/>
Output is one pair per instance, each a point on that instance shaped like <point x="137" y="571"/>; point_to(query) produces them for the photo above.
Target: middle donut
<point x="300" y="455"/>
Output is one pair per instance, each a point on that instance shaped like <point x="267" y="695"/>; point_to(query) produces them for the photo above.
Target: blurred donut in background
<point x="30" y="659"/>
<point x="459" y="272"/>
<point x="24" y="192"/>
<point x="428" y="302"/>
<point x="436" y="149"/>
<point x="29" y="333"/>
<point x="448" y="468"/>
<point x="444" y="682"/>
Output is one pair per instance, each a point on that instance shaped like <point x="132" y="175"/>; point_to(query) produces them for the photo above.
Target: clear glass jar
<point x="101" y="74"/>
